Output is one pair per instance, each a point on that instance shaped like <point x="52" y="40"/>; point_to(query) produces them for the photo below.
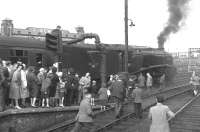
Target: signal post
<point x="54" y="43"/>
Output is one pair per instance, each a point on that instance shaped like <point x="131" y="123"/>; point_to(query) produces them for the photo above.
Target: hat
<point x="160" y="99"/>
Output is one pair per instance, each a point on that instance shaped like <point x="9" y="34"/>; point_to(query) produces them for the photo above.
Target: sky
<point x="106" y="18"/>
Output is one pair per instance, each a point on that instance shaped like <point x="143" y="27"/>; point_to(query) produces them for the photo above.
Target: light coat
<point x="24" y="90"/>
<point x="137" y="95"/>
<point x="85" y="111"/>
<point x="15" y="88"/>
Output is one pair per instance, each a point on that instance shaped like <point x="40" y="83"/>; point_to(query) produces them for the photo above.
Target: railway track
<point x="130" y="120"/>
<point x="187" y="118"/>
<point x="105" y="119"/>
<point x="181" y="78"/>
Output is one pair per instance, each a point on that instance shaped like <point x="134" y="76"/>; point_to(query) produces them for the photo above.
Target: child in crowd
<point x="103" y="96"/>
<point x="60" y="90"/>
<point x="45" y="91"/>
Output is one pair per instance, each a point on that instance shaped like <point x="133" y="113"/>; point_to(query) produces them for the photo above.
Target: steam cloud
<point x="177" y="13"/>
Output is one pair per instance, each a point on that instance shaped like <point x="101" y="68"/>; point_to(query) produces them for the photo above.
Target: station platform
<point x="31" y="119"/>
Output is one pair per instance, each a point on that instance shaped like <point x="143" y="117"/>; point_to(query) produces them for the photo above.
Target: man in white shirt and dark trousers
<point x="159" y="114"/>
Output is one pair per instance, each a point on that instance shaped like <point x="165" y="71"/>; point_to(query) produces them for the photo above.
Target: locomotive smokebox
<point x="161" y="46"/>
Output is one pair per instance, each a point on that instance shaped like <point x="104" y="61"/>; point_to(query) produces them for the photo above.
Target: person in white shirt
<point x="159" y="114"/>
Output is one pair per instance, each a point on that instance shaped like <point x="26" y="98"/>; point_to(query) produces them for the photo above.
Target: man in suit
<point x="84" y="117"/>
<point x="118" y="92"/>
<point x="137" y="96"/>
<point x="159" y="115"/>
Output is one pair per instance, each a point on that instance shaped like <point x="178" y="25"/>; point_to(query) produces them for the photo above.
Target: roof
<point x="21" y="42"/>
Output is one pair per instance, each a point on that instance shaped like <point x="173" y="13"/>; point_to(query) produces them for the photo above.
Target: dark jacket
<point x="32" y="84"/>
<point x="54" y="81"/>
<point x="118" y="90"/>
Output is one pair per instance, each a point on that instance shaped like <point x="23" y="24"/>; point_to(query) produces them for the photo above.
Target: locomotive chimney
<point x="161" y="46"/>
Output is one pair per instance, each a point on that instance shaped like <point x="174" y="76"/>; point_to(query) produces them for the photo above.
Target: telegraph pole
<point x="126" y="37"/>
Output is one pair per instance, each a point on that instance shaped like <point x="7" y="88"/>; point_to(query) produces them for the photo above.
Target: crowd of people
<point x="23" y="86"/>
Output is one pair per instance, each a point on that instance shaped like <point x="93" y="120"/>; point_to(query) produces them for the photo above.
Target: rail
<point x="184" y="106"/>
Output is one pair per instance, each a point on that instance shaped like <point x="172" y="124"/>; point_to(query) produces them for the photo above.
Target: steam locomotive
<point x="87" y="57"/>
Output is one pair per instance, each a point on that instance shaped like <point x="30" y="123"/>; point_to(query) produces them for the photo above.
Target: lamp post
<point x="126" y="37"/>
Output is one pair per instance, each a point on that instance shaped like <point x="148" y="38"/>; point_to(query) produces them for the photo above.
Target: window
<point x="18" y="32"/>
<point x="25" y="53"/>
<point x="38" y="57"/>
<point x="19" y="52"/>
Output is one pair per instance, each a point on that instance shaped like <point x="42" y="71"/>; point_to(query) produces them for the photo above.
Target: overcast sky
<point x="106" y="18"/>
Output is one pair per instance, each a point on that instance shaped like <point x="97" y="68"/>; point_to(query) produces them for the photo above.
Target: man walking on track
<point x="84" y="118"/>
<point x="159" y="115"/>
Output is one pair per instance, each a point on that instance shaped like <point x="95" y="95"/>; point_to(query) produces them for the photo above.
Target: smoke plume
<point x="177" y="13"/>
